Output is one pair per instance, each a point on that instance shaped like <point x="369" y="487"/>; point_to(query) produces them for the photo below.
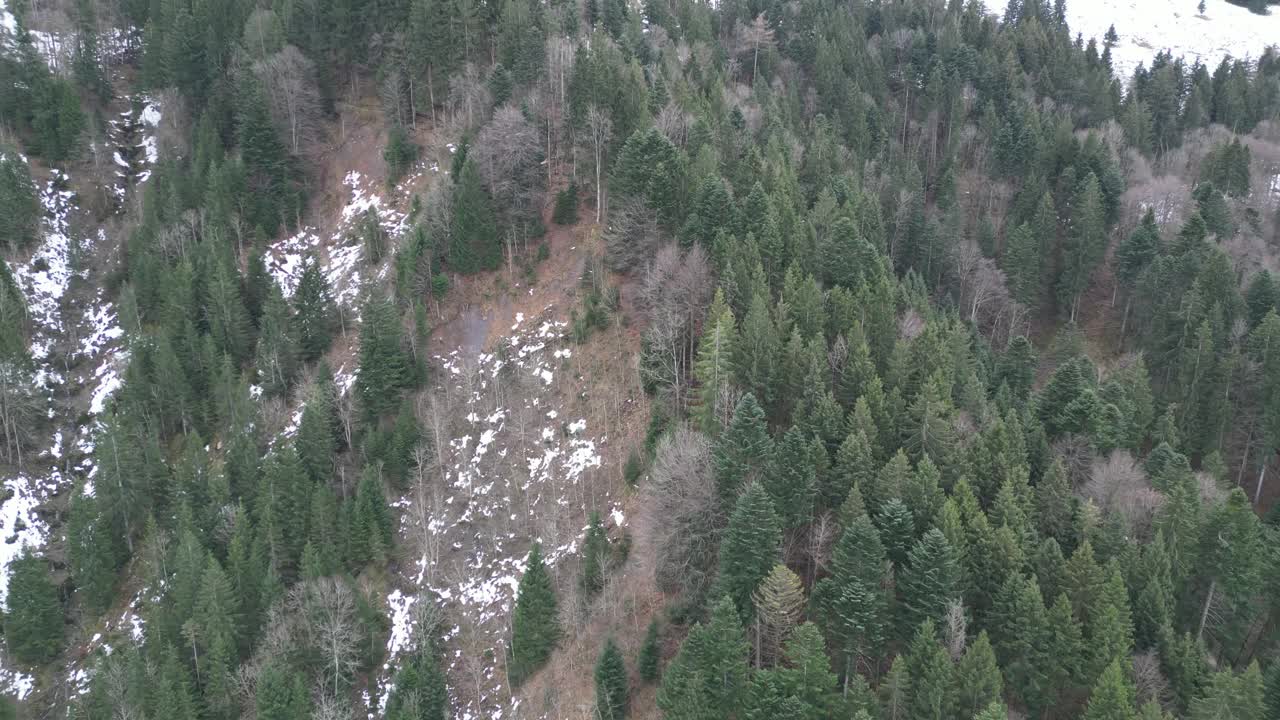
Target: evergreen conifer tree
<point x="650" y="659"/>
<point x="33" y="626"/>
<point x="750" y="548"/>
<point x="611" y="683"/>
<point x="535" y="629"/>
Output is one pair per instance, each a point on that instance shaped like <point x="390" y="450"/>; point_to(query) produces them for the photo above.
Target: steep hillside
<point x="534" y="360"/>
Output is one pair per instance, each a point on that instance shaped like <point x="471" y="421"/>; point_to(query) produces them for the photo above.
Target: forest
<point x="958" y="358"/>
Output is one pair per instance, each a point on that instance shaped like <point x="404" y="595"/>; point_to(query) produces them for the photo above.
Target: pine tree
<point x="1067" y="663"/>
<point x="897" y="530"/>
<point x="1232" y="696"/>
<point x="534" y="625"/>
<point x="611" y="683"/>
<point x="1153" y="602"/>
<point x="1137" y="251"/>
<point x="420" y="692"/>
<point x="929" y="583"/>
<point x="758" y="351"/>
<point x="708" y="676"/>
<point x="930" y="670"/>
<point x="595" y="556"/>
<point x="1265" y="343"/>
<point x="791" y="480"/>
<point x="1085" y="244"/>
<point x="280" y="695"/>
<point x="1262" y="297"/>
<point x="318" y="429"/>
<point x="649" y="662"/>
<point x="743" y="448"/>
<point x="750" y="548"/>
<point x="33" y="625"/>
<point x="779" y="600"/>
<point x="802" y="687"/>
<point x="976" y="682"/>
<point x="476" y="244"/>
<point x="277" y="350"/>
<point x="371" y="529"/>
<point x="854" y="607"/>
<point x="1110" y="625"/>
<point x="384" y="367"/>
<point x="1021" y="263"/>
<point x="713" y="369"/>
<point x="1022" y="641"/>
<point x="19" y="204"/>
<point x="1112" y="696"/>
<point x="315" y="311"/>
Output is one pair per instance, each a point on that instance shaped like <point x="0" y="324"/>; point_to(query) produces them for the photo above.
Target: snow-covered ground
<point x="341" y="257"/>
<point x="73" y="345"/>
<point x="1150" y="26"/>
<point x="516" y="467"/>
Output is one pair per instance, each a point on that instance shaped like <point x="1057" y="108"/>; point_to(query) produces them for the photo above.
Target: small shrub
<point x="566" y="210"/>
<point x="633" y="468"/>
<point x="399" y="154"/>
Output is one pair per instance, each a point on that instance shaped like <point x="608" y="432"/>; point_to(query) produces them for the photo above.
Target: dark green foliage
<point x="384" y="365"/>
<point x="281" y="695"/>
<point x="791" y="479"/>
<point x="371" y="530"/>
<point x="1112" y="696"/>
<point x="19" y="205"/>
<point x="315" y="312"/>
<point x="566" y="207"/>
<point x="930" y="670"/>
<point x="750" y="548"/>
<point x="855" y="609"/>
<point x="272" y="197"/>
<point x="708" y="678"/>
<point x="649" y="662"/>
<point x="534" y="625"/>
<point x="420" y="692"/>
<point x="928" y="583"/>
<point x="1227" y="167"/>
<point x="611" y="683"/>
<point x="1085" y="244"/>
<point x="976" y="681"/>
<point x="802" y="686"/>
<point x="277" y="353"/>
<point x="1262" y="297"/>
<point x="33" y="625"/>
<point x="742" y="450"/>
<point x="475" y="241"/>
<point x="400" y="153"/>
<point x="595" y="558"/>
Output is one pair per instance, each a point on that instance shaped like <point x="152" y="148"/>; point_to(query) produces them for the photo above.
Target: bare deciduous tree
<point x="631" y="235"/>
<point x="682" y="512"/>
<point x="292" y="95"/>
<point x="753" y="38"/>
<point x="600" y="127"/>
<point x="955" y="629"/>
<point x="468" y="93"/>
<point x="1118" y="485"/>
<point x="507" y="153"/>
<point x="19" y="409"/>
<point x="327" y="610"/>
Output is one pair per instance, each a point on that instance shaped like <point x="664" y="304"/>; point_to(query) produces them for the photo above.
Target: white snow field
<point x="1150" y="26"/>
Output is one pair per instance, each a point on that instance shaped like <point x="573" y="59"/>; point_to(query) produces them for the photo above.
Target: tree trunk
<point x="1262" y="475"/>
<point x="1204" y="614"/>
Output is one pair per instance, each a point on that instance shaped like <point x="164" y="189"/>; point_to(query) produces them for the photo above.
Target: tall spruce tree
<point x="33" y="626"/>
<point x="535" y="628"/>
<point x="611" y="683"/>
<point x="708" y="677"/>
<point x="752" y="545"/>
